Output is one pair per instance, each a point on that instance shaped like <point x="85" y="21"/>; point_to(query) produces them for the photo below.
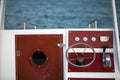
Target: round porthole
<point x="39" y="58"/>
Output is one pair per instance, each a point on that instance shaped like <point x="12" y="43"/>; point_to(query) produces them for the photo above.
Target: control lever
<point x="106" y="58"/>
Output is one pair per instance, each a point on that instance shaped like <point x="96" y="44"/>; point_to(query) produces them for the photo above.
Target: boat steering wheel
<point x="80" y="60"/>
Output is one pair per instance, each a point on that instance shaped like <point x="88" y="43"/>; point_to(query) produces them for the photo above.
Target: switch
<point x="104" y="38"/>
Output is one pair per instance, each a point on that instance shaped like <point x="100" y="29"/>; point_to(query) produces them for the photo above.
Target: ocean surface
<point x="118" y="13"/>
<point x="59" y="14"/>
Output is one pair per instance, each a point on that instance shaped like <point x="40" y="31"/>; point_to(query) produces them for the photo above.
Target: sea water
<point x="47" y="14"/>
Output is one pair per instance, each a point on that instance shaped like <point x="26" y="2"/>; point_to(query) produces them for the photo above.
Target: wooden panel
<point x="90" y="79"/>
<point x="52" y="69"/>
<point x="97" y="65"/>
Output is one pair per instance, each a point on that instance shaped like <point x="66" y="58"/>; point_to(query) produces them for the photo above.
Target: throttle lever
<point x="104" y="49"/>
<point x="106" y="57"/>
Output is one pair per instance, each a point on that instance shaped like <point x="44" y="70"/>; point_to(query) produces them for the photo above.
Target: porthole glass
<point x="39" y="58"/>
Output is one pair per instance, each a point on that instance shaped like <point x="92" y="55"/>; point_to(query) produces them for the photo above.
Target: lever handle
<point x="106" y="57"/>
<point x="104" y="48"/>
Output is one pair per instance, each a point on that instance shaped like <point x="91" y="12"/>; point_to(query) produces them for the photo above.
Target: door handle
<point x="60" y="45"/>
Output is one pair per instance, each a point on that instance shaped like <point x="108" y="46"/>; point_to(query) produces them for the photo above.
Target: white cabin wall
<point x="0" y="54"/>
<point x="7" y="56"/>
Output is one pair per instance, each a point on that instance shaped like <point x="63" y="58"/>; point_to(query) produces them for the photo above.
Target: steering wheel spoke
<point x="72" y="59"/>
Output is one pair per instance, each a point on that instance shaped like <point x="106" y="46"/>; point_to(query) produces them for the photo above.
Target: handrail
<point x="25" y="22"/>
<point x="95" y="21"/>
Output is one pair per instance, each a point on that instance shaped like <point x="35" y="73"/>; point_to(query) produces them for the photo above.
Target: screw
<point x="69" y="70"/>
<point x="30" y="58"/>
<point x="38" y="66"/>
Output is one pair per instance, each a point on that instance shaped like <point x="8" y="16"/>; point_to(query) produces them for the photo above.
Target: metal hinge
<point x="18" y="53"/>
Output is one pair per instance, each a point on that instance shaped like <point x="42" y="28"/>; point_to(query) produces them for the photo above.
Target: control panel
<point x="94" y="38"/>
<point x="90" y="51"/>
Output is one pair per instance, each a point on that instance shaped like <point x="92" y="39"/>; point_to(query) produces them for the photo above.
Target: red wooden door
<point x="38" y="57"/>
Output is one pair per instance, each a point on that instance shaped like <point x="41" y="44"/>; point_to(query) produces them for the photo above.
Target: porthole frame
<point x="35" y="65"/>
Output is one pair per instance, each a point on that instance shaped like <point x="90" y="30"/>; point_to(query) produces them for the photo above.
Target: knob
<point x="85" y="39"/>
<point x="77" y="38"/>
<point x="93" y="38"/>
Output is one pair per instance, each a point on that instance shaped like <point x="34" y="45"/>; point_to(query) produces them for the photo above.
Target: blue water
<point x="118" y="12"/>
<point x="58" y="14"/>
